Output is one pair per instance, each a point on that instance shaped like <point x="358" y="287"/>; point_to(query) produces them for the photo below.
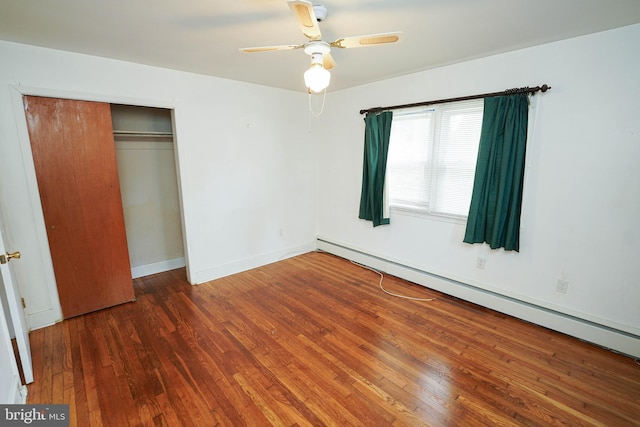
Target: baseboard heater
<point x="583" y="329"/>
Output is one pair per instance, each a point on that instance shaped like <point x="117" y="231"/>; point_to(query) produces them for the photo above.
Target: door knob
<point x="9" y="256"/>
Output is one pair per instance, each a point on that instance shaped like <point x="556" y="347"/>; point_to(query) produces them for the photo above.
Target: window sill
<point x="423" y="213"/>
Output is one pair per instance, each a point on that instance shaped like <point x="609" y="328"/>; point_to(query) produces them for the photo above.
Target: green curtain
<point x="494" y="214"/>
<point x="376" y="147"/>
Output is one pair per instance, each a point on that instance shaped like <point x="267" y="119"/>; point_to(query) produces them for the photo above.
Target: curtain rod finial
<point x="545" y="87"/>
<point x="372" y="110"/>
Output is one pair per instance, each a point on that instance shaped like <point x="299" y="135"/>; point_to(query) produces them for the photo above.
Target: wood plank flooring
<point x="312" y="341"/>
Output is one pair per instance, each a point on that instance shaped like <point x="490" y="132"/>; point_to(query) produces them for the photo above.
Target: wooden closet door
<point x="75" y="164"/>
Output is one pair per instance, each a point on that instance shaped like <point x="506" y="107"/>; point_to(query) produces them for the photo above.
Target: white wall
<point x="148" y="185"/>
<point x="246" y="159"/>
<point x="582" y="184"/>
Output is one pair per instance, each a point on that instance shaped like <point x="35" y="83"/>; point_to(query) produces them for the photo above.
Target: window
<point x="432" y="158"/>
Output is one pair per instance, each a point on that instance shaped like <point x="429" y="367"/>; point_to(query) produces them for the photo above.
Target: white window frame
<point x="431" y="154"/>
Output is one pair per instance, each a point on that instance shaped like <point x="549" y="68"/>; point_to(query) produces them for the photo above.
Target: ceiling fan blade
<point x="270" y="48"/>
<point x="303" y="11"/>
<point x="327" y="61"/>
<point x="364" y="41"/>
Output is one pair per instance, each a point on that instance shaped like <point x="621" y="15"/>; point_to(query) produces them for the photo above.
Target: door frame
<point x="54" y="313"/>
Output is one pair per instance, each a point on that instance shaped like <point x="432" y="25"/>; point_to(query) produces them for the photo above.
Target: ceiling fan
<point x="308" y="16"/>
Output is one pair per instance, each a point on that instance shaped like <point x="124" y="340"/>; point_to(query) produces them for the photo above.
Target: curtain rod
<point x="515" y="91"/>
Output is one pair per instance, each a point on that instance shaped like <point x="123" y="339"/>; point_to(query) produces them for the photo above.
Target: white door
<point x="16" y="311"/>
<point x="11" y="389"/>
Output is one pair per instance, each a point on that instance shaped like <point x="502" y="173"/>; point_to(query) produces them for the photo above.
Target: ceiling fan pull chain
<point x="324" y="97"/>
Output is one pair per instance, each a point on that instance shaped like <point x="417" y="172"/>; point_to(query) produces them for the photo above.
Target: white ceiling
<point x="203" y="36"/>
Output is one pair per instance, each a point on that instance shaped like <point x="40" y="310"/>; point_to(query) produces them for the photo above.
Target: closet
<point x="108" y="188"/>
<point x="145" y="156"/>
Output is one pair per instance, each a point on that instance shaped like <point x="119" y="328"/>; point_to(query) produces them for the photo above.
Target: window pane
<point x="408" y="162"/>
<point x="455" y="158"/>
<point x="432" y="157"/>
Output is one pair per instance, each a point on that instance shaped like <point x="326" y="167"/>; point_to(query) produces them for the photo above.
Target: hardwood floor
<point x="312" y="340"/>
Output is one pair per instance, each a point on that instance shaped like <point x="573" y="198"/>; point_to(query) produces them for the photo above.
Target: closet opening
<point x="145" y="154"/>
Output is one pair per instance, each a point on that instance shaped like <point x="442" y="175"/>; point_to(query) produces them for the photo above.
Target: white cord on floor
<point x="386" y="291"/>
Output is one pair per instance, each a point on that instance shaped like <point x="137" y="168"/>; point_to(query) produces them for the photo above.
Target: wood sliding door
<point x="75" y="164"/>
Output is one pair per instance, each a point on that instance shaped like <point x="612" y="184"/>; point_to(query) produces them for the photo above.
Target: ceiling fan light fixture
<point x="320" y="11"/>
<point x="308" y="15"/>
<point x="316" y="78"/>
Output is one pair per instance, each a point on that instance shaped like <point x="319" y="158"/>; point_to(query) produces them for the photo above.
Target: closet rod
<point x="138" y="133"/>
<point x="526" y="89"/>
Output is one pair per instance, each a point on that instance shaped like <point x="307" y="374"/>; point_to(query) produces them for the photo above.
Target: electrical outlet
<point x="480" y="263"/>
<point x="562" y="286"/>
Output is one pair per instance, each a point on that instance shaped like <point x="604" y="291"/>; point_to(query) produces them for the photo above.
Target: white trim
<point x="18" y="392"/>
<point x="157" y="267"/>
<point x="54" y="313"/>
<point x="570" y="324"/>
<point x="249" y="263"/>
<point x="91" y="96"/>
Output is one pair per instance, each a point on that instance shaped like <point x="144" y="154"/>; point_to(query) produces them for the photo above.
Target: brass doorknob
<point x="9" y="256"/>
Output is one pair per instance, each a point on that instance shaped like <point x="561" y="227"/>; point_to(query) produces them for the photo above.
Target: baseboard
<point x="42" y="319"/>
<point x="157" y="267"/>
<point x="228" y="269"/>
<point x="587" y="330"/>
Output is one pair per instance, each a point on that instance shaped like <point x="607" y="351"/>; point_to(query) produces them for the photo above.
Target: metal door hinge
<point x="24" y="304"/>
